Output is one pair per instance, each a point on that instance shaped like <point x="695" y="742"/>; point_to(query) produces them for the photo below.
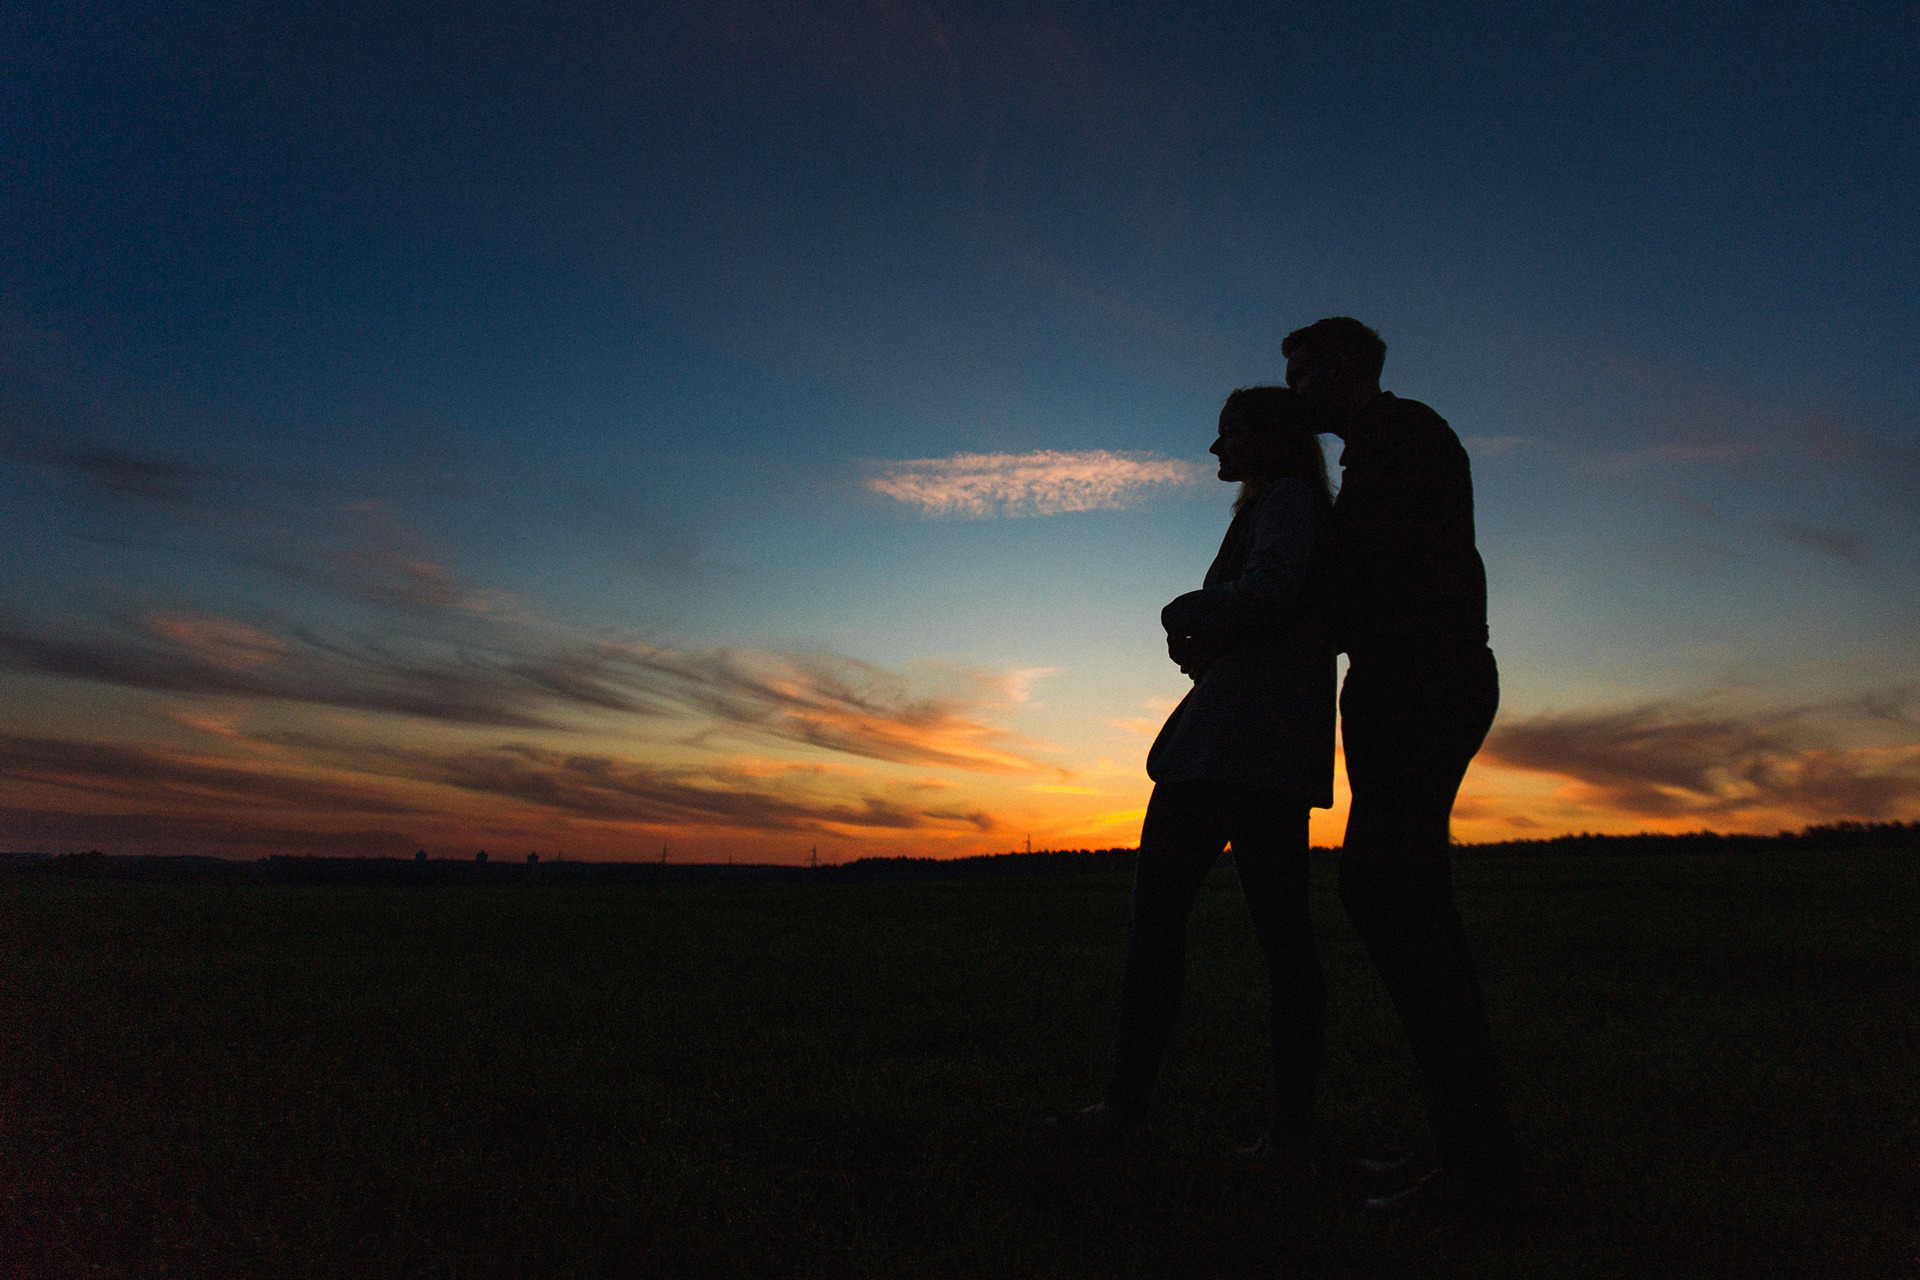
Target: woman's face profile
<point x="1237" y="448"/>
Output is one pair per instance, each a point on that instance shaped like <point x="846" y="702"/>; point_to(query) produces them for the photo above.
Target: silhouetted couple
<point x="1388" y="574"/>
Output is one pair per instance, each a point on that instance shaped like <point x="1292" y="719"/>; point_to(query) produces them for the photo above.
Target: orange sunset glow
<point x="740" y="431"/>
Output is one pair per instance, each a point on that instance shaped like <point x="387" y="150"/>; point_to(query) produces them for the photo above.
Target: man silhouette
<point x="1409" y="603"/>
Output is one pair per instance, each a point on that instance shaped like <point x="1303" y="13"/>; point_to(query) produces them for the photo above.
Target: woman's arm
<point x="1285" y="525"/>
<point x="1194" y="654"/>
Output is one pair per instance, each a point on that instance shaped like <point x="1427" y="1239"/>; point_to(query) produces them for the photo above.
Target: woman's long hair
<point x="1290" y="443"/>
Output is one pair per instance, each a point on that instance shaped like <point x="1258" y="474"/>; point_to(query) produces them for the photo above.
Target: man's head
<point x="1335" y="365"/>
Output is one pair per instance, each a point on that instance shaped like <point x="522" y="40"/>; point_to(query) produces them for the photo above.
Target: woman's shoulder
<point x="1284" y="495"/>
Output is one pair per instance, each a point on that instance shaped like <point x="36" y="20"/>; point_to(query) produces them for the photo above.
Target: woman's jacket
<point x="1263" y="713"/>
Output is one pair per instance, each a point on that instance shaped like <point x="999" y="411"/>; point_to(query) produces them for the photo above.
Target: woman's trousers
<point x="1187" y="826"/>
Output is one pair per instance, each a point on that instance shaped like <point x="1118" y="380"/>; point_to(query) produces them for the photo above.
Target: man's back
<point x="1406" y="578"/>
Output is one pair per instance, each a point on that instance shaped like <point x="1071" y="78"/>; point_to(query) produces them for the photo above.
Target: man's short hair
<point x="1346" y="335"/>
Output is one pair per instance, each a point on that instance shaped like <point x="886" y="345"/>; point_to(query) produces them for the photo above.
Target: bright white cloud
<point x="1045" y="483"/>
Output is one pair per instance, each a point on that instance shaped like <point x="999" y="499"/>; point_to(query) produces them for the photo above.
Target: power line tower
<point x="814" y="861"/>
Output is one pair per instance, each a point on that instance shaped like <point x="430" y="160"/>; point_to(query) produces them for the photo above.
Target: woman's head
<point x="1269" y="433"/>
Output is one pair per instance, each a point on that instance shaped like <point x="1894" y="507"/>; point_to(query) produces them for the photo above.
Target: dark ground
<point x="1714" y="1056"/>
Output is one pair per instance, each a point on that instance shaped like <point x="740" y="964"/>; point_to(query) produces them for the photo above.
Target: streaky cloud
<point x="343" y="539"/>
<point x="846" y="705"/>
<point x="161" y="799"/>
<point x="1496" y="446"/>
<point x="383" y="574"/>
<point x="221" y="642"/>
<point x="1890" y="706"/>
<point x="827" y="701"/>
<point x="1670" y="456"/>
<point x="317" y="673"/>
<point x="125" y="475"/>
<point x="1048" y="482"/>
<point x="171" y="831"/>
<point x="1844" y="547"/>
<point x="1670" y="760"/>
<point x="608" y="789"/>
<point x="146" y="774"/>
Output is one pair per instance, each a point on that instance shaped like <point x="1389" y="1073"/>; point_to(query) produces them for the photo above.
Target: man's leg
<point x="1269" y="834"/>
<point x="1182" y="836"/>
<point x="1408" y="742"/>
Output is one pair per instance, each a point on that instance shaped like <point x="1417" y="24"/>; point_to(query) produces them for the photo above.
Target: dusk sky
<point x="751" y="427"/>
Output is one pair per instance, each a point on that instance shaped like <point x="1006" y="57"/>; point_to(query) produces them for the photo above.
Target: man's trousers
<point x="1409" y="731"/>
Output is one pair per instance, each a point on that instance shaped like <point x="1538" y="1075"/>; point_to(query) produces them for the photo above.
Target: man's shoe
<point x="1293" y="1161"/>
<point x="1390" y="1174"/>
<point x="1098" y="1123"/>
<point x="1476" y="1198"/>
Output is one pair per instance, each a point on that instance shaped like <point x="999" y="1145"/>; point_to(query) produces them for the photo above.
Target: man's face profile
<point x="1318" y="376"/>
<point x="1311" y="371"/>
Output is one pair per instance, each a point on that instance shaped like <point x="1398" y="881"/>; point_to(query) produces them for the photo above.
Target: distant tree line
<point x="1828" y="836"/>
<point x="422" y="870"/>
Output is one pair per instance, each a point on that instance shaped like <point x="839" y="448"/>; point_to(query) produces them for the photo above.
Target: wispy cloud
<point x="845" y="705"/>
<point x="1671" y="454"/>
<point x="159" y="797"/>
<point x="1496" y="446"/>
<point x="1827" y="542"/>
<point x="54" y="830"/>
<point x="1837" y="544"/>
<point x="1045" y="483"/>
<point x="1148" y="725"/>
<point x="124" y="476"/>
<point x="219" y="642"/>
<point x="151" y="775"/>
<point x="382" y="573"/>
<point x="608" y="789"/>
<point x="348" y="539"/>
<point x="213" y="656"/>
<point x="942" y="716"/>
<point x="1892" y="706"/>
<point x="1667" y="760"/>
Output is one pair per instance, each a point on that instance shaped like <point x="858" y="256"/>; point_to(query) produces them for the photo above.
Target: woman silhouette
<point x="1240" y="762"/>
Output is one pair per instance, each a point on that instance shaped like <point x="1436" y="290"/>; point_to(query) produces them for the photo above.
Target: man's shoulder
<point x="1412" y="418"/>
<point x="1411" y="432"/>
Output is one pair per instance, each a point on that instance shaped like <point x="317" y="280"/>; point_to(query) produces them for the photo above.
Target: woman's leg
<point x="1183" y="834"/>
<point x="1269" y="833"/>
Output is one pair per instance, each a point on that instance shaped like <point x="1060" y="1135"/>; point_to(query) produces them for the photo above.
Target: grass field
<point x="1715" y="1060"/>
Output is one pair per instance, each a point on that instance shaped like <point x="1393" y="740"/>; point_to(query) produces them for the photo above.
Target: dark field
<point x="1715" y="1059"/>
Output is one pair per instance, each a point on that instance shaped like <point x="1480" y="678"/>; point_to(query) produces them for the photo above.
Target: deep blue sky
<point x="428" y="340"/>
